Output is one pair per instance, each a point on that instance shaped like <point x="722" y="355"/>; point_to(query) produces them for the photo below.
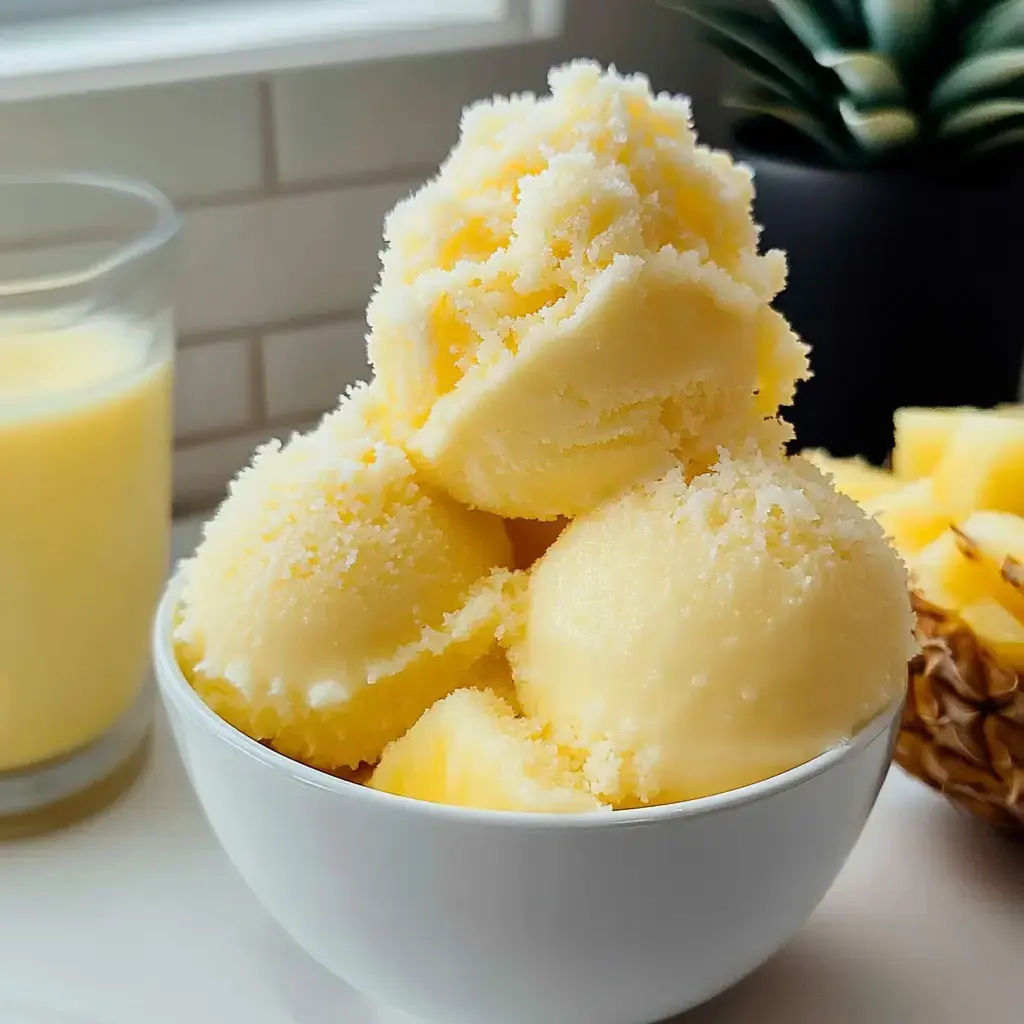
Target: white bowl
<point x="484" y="917"/>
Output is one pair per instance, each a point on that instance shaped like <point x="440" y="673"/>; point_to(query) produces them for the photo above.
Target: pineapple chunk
<point x="852" y="476"/>
<point x="1000" y="631"/>
<point x="950" y="573"/>
<point x="998" y="539"/>
<point x="910" y="516"/>
<point x="922" y="435"/>
<point x="983" y="466"/>
<point x="471" y="750"/>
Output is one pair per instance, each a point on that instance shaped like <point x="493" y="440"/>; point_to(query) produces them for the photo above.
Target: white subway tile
<point x="363" y="118"/>
<point x="195" y="139"/>
<point x="212" y="387"/>
<point x="202" y="471"/>
<point x="306" y="370"/>
<point x="262" y="262"/>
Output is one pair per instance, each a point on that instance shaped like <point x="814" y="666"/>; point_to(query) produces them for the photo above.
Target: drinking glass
<point x="86" y="341"/>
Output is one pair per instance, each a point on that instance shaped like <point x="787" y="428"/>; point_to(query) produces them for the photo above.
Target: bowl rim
<point x="175" y="688"/>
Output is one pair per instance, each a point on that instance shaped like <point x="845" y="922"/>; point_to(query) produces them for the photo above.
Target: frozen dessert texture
<point x="334" y="596"/>
<point x="471" y="750"/>
<point x="690" y="638"/>
<point x="576" y="301"/>
<point x="554" y="558"/>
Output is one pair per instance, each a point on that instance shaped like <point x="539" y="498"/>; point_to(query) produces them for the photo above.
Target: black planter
<point x="910" y="290"/>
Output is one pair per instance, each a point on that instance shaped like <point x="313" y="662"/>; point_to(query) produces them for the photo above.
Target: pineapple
<point x="999" y="631"/>
<point x="963" y="725"/>
<point x="952" y="573"/>
<point x="910" y="516"/>
<point x="874" y="83"/>
<point x="922" y="435"/>
<point x="963" y="722"/>
<point x="983" y="466"/>
<point x="954" y="509"/>
<point x="853" y="476"/>
<point x="998" y="538"/>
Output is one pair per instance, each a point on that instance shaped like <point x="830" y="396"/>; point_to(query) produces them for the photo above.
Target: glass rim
<point x="164" y="227"/>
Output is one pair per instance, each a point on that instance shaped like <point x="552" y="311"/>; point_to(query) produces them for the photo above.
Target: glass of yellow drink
<point x="86" y="341"/>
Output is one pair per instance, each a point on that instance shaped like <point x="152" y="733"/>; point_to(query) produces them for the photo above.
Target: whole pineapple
<point x="862" y="83"/>
<point x="954" y="508"/>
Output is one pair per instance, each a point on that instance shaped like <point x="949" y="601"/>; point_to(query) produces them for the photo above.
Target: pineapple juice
<point x="85" y="443"/>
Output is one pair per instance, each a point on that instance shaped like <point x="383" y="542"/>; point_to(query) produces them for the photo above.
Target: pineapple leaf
<point x="766" y="65"/>
<point x="818" y="26"/>
<point x="1001" y="27"/>
<point x="767" y="44"/>
<point x="880" y="130"/>
<point x="992" y="72"/>
<point x="1007" y="139"/>
<point x="987" y="114"/>
<point x="871" y="78"/>
<point x="901" y="28"/>
<point x="852" y="14"/>
<point x="764" y="104"/>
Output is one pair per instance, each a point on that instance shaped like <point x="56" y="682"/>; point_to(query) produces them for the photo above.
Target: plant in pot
<point x="887" y="140"/>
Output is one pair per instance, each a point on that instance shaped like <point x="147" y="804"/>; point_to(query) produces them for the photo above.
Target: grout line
<point x="257" y="383"/>
<point x="268" y="137"/>
<point x="294" y="323"/>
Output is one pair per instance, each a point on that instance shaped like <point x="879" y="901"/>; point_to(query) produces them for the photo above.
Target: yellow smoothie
<point x="84" y="516"/>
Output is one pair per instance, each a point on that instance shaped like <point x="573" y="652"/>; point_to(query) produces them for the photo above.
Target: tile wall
<point x="284" y="183"/>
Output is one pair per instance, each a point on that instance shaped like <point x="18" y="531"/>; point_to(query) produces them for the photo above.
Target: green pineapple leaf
<point x="765" y="43"/>
<point x="987" y="74"/>
<point x="988" y="114"/>
<point x="879" y="131"/>
<point x="765" y="64"/>
<point x="817" y="25"/>
<point x="764" y="104"/>
<point x="1001" y="27"/>
<point x="853" y="17"/>
<point x="901" y="28"/>
<point x="872" y="79"/>
<point x="1007" y="139"/>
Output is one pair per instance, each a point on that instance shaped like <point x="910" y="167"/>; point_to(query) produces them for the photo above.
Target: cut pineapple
<point x="922" y="436"/>
<point x="910" y="516"/>
<point x="983" y="466"/>
<point x="950" y="573"/>
<point x="853" y="476"/>
<point x="998" y="537"/>
<point x="1000" y="631"/>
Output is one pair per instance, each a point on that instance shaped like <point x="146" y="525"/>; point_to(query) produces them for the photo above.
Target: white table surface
<point x="136" y="917"/>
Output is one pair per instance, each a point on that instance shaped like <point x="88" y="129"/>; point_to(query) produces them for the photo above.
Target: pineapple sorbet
<point x="335" y="597"/>
<point x="471" y="749"/>
<point x="693" y="638"/>
<point x="554" y="558"/>
<point x="576" y="296"/>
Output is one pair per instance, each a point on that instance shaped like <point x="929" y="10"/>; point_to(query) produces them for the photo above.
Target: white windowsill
<point x="173" y="43"/>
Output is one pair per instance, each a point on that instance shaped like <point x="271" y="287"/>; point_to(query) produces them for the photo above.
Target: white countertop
<point x="136" y="917"/>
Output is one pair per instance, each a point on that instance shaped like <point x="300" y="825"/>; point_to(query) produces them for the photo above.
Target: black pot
<point x="908" y="287"/>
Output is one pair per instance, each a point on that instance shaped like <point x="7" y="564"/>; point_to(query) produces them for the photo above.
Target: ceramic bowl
<point x="483" y="917"/>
